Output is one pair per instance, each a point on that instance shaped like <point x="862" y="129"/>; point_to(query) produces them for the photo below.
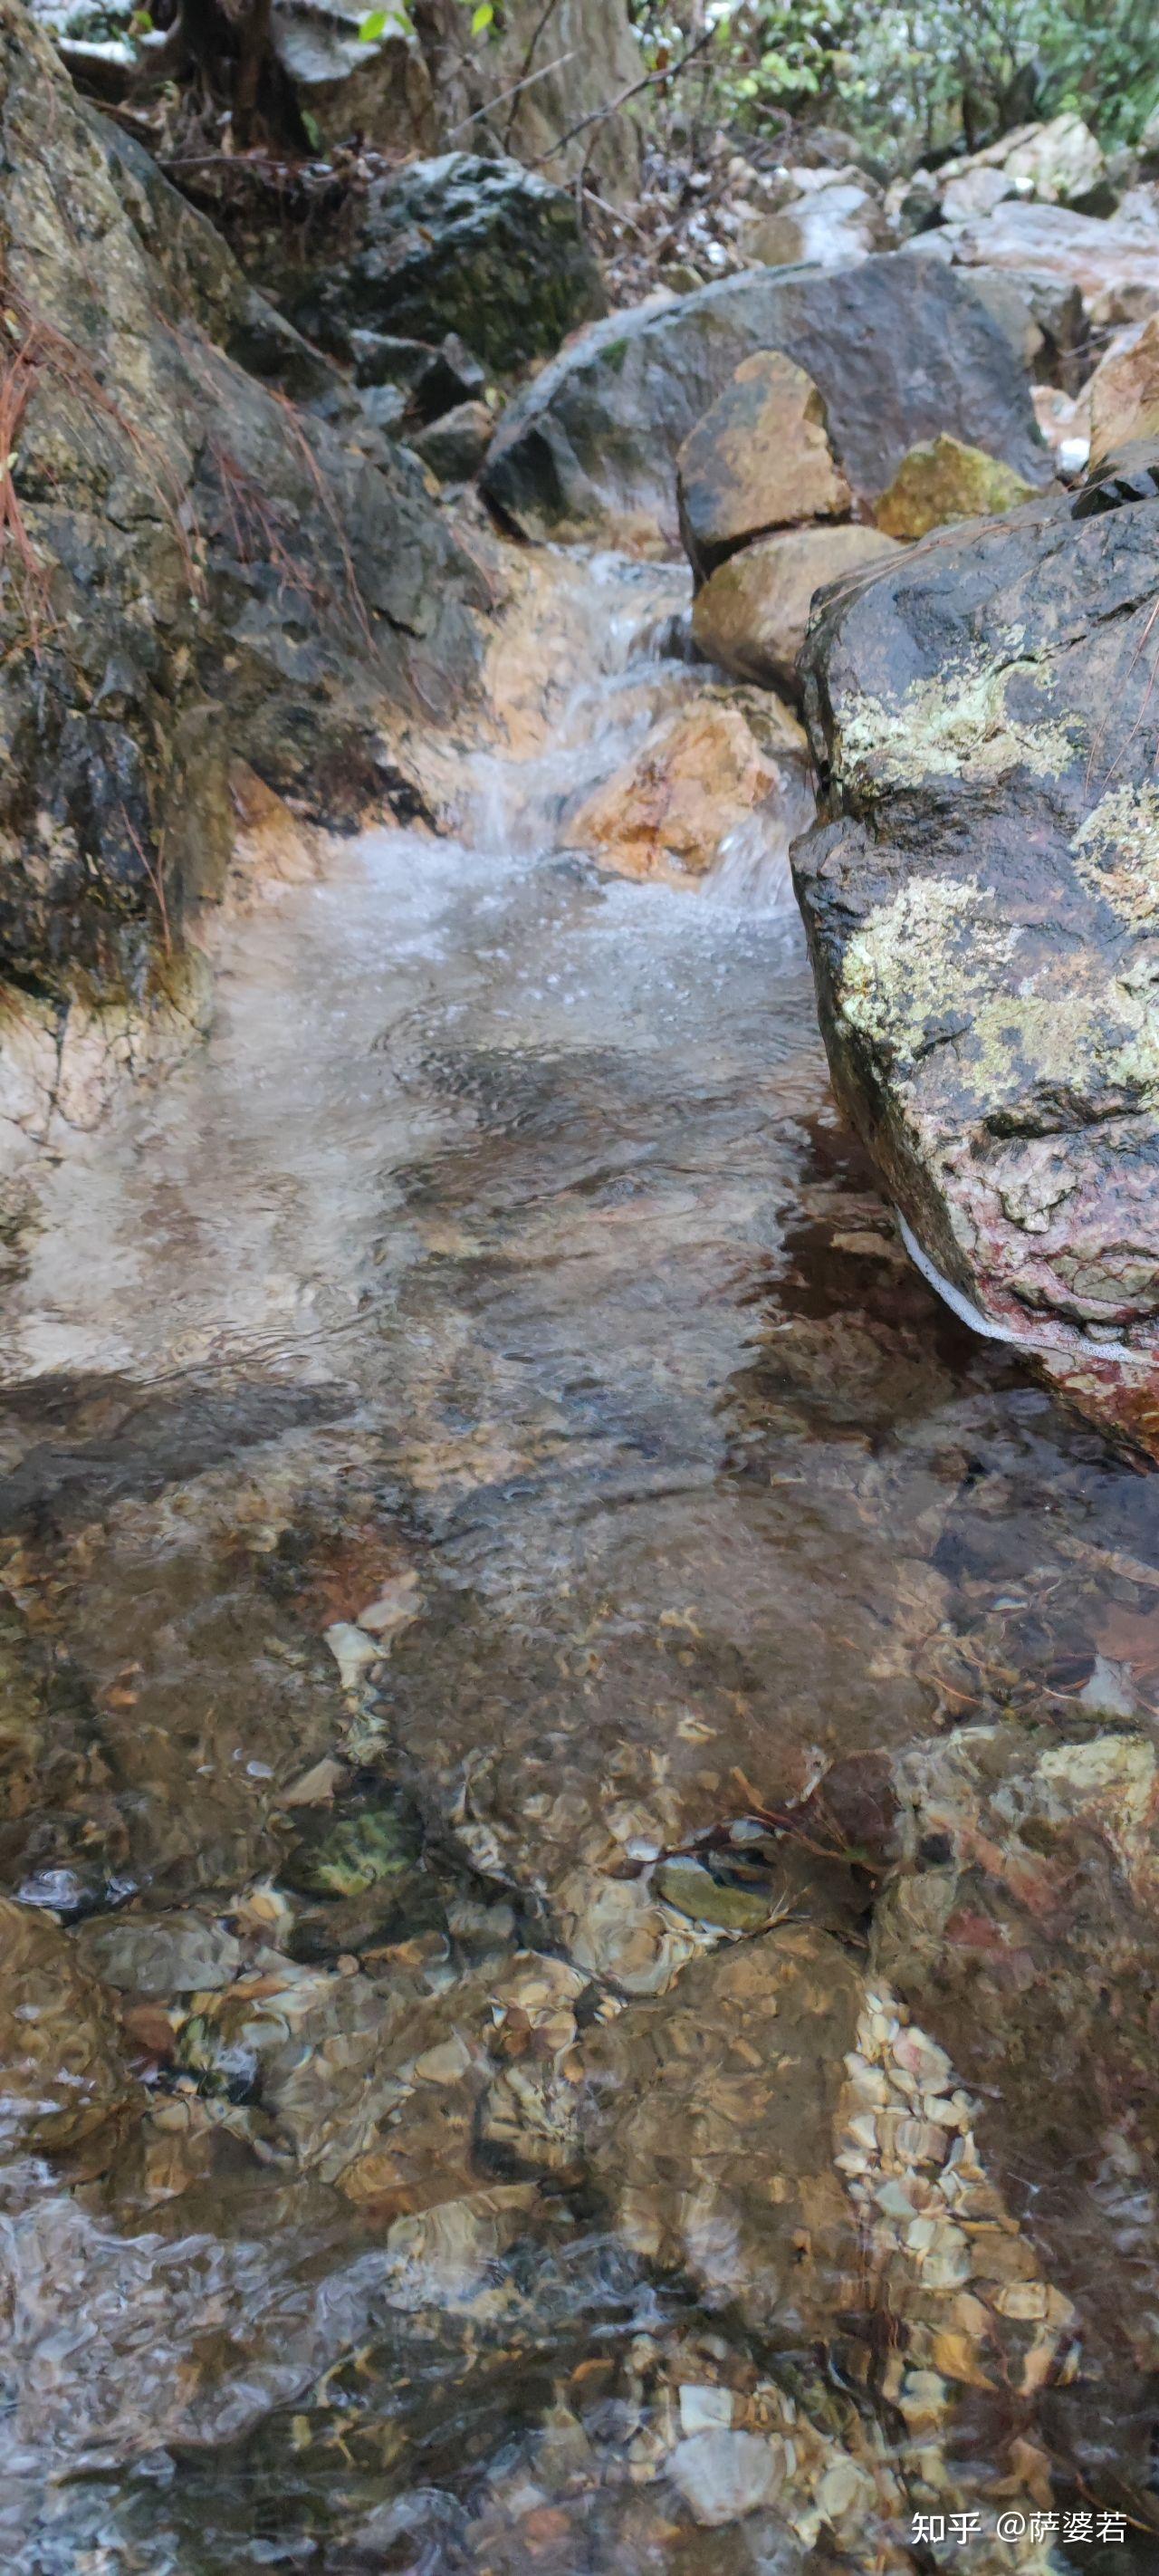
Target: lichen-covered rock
<point x="981" y="902"/>
<point x="753" y="615"/>
<point x="195" y="568"/>
<point x="899" y="348"/>
<point x="946" y="480"/>
<point x="760" y="458"/>
<point x="483" y="248"/>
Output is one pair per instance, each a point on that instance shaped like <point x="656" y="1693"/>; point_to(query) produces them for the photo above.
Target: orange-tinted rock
<point x="1124" y="394"/>
<point x="753" y="615"/>
<point x="759" y="459"/>
<point x="665" y="813"/>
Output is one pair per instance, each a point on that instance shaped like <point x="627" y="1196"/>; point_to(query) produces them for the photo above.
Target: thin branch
<point x="479" y="113"/>
<point x="600" y="115"/>
<point x="549" y="6"/>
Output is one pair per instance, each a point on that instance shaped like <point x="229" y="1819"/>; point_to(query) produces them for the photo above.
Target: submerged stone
<point x="354" y="1854"/>
<point x="720" y="1902"/>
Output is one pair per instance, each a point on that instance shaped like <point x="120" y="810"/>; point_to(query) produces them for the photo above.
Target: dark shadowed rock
<point x="455" y="445"/>
<point x="899" y="347"/>
<point x="197" y="568"/>
<point x="484" y="248"/>
<point x="982" y="906"/>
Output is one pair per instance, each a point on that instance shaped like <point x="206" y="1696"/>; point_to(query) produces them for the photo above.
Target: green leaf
<point x="481" y="17"/>
<point x="373" y="26"/>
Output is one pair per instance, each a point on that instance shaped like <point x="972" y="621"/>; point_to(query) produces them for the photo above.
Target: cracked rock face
<point x="982" y="904"/>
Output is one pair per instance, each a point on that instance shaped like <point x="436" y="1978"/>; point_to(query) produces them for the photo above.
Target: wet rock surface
<point x="700" y="777"/>
<point x="549" y="1693"/>
<point x="185" y="541"/>
<point x="979" y="909"/>
<point x="759" y="459"/>
<point x="899" y="349"/>
<point x="752" y="615"/>
<point x="484" y="248"/>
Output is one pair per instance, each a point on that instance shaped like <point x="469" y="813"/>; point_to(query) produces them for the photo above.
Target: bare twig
<point x="650" y="80"/>
<point x="547" y="11"/>
<point x="479" y="114"/>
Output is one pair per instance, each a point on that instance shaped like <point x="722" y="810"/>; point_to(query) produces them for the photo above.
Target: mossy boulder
<point x="944" y="479"/>
<point x="483" y="248"/>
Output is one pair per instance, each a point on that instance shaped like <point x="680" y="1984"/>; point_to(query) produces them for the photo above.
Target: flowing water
<point x="579" y="1769"/>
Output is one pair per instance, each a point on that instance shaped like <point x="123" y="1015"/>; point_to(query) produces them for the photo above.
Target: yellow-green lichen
<point x="1116" y="853"/>
<point x="923" y="960"/>
<point x="956" y="726"/>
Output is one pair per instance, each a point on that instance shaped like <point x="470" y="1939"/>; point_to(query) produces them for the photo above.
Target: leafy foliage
<point x="928" y="75"/>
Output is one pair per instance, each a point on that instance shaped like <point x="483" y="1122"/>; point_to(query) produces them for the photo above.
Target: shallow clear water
<point x="471" y="1438"/>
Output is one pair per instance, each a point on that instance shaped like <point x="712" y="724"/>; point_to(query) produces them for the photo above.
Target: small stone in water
<point x="357" y="1853"/>
<point x="353" y="1652"/>
<point x="693" y="1891"/>
<point x="723" y="2474"/>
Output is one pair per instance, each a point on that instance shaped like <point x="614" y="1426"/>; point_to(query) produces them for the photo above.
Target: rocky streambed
<point x="577" y="1750"/>
<point x="579" y="1766"/>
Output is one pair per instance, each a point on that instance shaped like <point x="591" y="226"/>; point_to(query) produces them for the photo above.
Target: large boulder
<point x="197" y="569"/>
<point x="899" y="347"/>
<point x="1114" y="263"/>
<point x="486" y="249"/>
<point x="981" y="901"/>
